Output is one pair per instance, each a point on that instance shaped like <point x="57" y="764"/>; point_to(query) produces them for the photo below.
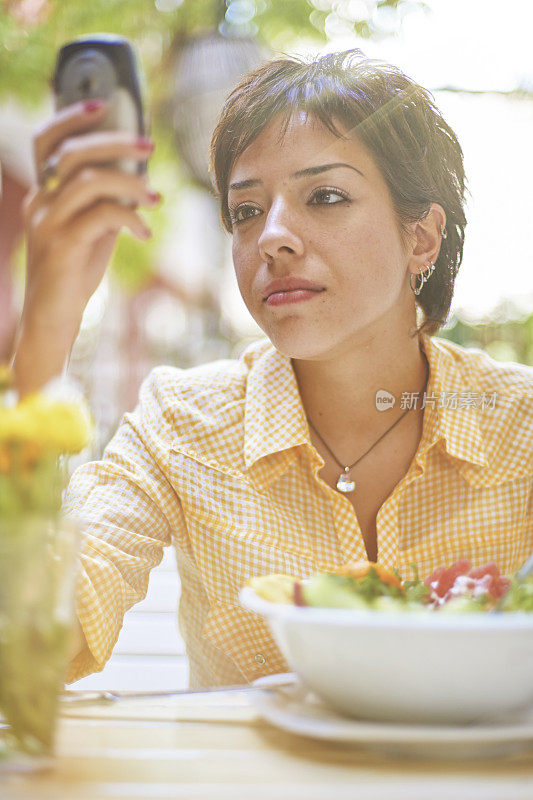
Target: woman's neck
<point x="340" y="395"/>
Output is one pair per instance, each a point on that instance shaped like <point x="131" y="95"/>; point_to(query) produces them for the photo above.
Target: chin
<point x="301" y="346"/>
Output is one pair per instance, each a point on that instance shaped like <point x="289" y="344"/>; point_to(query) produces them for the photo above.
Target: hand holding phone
<point x="91" y="157"/>
<point x="103" y="67"/>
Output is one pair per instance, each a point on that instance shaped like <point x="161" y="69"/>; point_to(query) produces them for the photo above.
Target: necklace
<point x="345" y="483"/>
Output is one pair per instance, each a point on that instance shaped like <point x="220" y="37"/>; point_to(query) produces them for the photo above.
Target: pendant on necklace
<point x="345" y="483"/>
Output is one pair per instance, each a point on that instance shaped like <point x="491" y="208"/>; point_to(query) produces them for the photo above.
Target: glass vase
<point x="37" y="581"/>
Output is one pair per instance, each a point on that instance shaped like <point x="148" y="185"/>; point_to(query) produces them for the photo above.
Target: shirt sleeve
<point x="128" y="513"/>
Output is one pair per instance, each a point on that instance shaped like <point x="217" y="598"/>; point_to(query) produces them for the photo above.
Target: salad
<point x="460" y="588"/>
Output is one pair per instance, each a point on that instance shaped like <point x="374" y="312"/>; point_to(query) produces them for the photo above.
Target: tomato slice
<point x="500" y="587"/>
<point x="435" y="576"/>
<point x="499" y="583"/>
<point x="491" y="568"/>
<point x="447" y="579"/>
<point x="486" y="577"/>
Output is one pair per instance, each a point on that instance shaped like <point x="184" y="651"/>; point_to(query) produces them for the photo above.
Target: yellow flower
<point x="16" y="425"/>
<point x="50" y="425"/>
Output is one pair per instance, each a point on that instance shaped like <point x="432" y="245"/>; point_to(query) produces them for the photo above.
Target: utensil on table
<point x="82" y="696"/>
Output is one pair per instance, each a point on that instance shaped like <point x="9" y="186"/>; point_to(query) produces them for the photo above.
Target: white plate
<point x="295" y="709"/>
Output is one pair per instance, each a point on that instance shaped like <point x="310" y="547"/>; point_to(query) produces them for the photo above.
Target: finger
<point x="94" y="184"/>
<point x="104" y="247"/>
<point x="135" y="186"/>
<point x="104" y="218"/>
<point x="30" y="204"/>
<point x="67" y="122"/>
<point x="97" y="148"/>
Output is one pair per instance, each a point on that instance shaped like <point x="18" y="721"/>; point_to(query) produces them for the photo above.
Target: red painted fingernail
<point x="93" y="105"/>
<point x="154" y="197"/>
<point x="144" y="144"/>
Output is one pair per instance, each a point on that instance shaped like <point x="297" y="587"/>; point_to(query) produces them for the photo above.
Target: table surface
<point x="215" y="746"/>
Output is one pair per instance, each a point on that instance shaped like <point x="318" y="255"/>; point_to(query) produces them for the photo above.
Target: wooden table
<point x="214" y="746"/>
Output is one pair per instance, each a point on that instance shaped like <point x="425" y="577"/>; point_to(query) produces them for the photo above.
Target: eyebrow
<point x="302" y="173"/>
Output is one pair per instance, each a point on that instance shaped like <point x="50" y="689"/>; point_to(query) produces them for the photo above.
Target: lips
<point x="291" y="285"/>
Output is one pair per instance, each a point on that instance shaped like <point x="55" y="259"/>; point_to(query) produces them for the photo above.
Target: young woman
<point x="351" y="431"/>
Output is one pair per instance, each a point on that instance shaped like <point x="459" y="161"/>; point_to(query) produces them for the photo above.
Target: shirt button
<point x="259" y="659"/>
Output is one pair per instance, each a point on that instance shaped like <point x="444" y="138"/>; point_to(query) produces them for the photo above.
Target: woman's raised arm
<point x="71" y="226"/>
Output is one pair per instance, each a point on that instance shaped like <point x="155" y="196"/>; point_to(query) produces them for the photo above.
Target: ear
<point x="426" y="238"/>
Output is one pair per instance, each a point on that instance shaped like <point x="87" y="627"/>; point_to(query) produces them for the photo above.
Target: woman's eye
<point x="242" y="213"/>
<point x="327" y="197"/>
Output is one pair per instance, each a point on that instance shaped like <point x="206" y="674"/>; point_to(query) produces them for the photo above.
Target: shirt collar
<point x="274" y="418"/>
<point x="450" y="417"/>
<point x="275" y="421"/>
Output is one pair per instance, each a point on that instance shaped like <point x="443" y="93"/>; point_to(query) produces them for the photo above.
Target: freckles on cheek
<point x="370" y="236"/>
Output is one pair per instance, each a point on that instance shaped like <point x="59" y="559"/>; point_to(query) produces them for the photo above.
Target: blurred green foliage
<point x="506" y="336"/>
<point x="32" y="30"/>
<point x="133" y="261"/>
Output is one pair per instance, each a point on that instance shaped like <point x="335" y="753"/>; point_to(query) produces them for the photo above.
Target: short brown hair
<point x="416" y="150"/>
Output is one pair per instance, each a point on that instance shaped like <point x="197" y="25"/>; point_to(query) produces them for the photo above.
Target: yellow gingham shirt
<point x="217" y="461"/>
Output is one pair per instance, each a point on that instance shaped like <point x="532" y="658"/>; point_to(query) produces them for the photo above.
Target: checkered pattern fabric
<point x="217" y="461"/>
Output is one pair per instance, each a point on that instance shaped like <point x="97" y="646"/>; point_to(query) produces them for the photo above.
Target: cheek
<point x="243" y="267"/>
<point x="237" y="257"/>
<point x="381" y="247"/>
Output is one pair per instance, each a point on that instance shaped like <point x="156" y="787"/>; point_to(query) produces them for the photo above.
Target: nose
<point x="280" y="234"/>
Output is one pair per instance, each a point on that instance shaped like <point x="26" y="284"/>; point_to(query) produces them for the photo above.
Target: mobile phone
<point x="103" y="66"/>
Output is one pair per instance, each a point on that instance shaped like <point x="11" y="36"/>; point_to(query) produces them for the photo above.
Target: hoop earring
<point x="420" y="278"/>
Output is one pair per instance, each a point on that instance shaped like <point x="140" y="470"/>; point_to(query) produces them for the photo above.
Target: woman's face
<point x="317" y="249"/>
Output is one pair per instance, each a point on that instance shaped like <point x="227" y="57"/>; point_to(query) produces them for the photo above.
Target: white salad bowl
<point x="419" y="666"/>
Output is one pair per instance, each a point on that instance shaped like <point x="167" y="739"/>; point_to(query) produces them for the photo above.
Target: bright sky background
<point x="479" y="45"/>
<point x="475" y="44"/>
